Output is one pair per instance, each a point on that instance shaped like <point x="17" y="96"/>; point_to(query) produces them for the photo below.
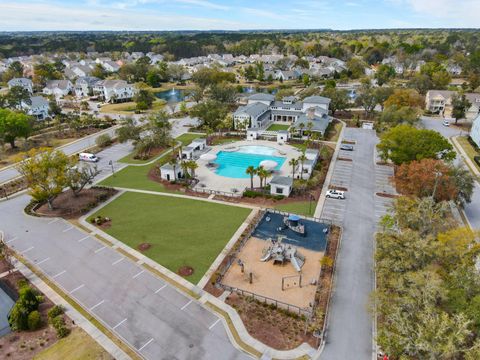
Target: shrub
<point x="18" y="318"/>
<point x="103" y="140"/>
<point x="59" y="324"/>
<point x="55" y="311"/>
<point x="34" y="320"/>
<point x="28" y="298"/>
<point x="477" y="160"/>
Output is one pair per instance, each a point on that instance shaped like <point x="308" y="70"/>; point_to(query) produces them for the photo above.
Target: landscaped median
<point x="462" y="143"/>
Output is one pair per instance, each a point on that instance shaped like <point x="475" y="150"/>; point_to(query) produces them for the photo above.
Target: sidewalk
<point x="466" y="158"/>
<point x="73" y="314"/>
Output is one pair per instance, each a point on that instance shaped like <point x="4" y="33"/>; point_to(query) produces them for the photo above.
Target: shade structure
<point x="269" y="164"/>
<point x="208" y="157"/>
<point x="293" y="217"/>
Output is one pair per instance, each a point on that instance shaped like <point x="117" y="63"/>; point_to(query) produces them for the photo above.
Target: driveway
<point x="143" y="310"/>
<point x="472" y="210"/>
<point x="350" y="324"/>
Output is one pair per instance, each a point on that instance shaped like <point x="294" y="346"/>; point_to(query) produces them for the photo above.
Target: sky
<point x="74" y="15"/>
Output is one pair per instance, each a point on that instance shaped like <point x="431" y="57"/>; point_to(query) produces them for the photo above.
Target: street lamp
<point x="111" y="164"/>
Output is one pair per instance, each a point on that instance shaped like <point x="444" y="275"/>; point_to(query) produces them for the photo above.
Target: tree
<point x="45" y="72"/>
<point x="302" y="158"/>
<point x="384" y="74"/>
<point x="252" y="172"/>
<point x="79" y="177"/>
<point x="16" y="95"/>
<point x="464" y="183"/>
<point x="99" y="72"/>
<point x="144" y="99"/>
<point x="405" y="143"/>
<point x="366" y="97"/>
<point x="192" y="166"/>
<point x="427" y="177"/>
<point x="394" y="115"/>
<point x="250" y="73"/>
<point x="173" y="163"/>
<point x="223" y="93"/>
<point x="338" y="99"/>
<point x="45" y="172"/>
<point x="382" y="94"/>
<point x="460" y="105"/>
<point x="128" y="131"/>
<point x="210" y="113"/>
<point x="260" y="71"/>
<point x="405" y="97"/>
<point x="14" y="125"/>
<point x="356" y="67"/>
<point x="293" y="163"/>
<point x="421" y="82"/>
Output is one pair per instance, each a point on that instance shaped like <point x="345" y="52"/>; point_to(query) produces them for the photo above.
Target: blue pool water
<point x="234" y="164"/>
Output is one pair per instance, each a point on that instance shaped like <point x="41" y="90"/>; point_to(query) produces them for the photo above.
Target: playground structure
<point x="293" y="223"/>
<point x="279" y="253"/>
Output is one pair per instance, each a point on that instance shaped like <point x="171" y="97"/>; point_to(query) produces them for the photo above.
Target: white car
<point x="335" y="194"/>
<point x="446" y="123"/>
<point x="88" y="157"/>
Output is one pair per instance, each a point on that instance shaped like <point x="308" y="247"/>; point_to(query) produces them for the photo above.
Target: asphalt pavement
<point x="142" y="309"/>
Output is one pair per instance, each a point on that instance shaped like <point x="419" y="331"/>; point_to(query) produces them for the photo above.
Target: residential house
<point x="114" y="90"/>
<point x="84" y="86"/>
<point x="454" y="69"/>
<point x="58" y="88"/>
<point x="111" y="66"/>
<point x="440" y="102"/>
<point x="25" y="83"/>
<point x="475" y="131"/>
<point x="37" y="106"/>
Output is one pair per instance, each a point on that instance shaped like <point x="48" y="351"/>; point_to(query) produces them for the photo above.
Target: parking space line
<point x="144" y="345"/>
<point x="41" y="262"/>
<point x="53" y="221"/>
<point x="98" y="250"/>
<point x="137" y="275"/>
<point x="215" y="323"/>
<point x="117" y="261"/>
<point x="95" y="306"/>
<point x="27" y="250"/>
<point x="120" y="323"/>
<point x="84" y="238"/>
<point x="160" y="289"/>
<point x="184" y="306"/>
<point x="68" y="229"/>
<point x="60" y="273"/>
<point x="77" y="288"/>
<point x="12" y="239"/>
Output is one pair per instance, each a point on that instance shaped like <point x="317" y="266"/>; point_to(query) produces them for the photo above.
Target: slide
<point x="267" y="256"/>
<point x="295" y="264"/>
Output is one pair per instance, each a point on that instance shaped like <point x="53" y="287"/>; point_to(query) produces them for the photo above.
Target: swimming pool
<point x="233" y="164"/>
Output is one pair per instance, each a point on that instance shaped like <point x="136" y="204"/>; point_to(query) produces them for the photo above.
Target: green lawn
<point x="299" y="208"/>
<point x="278" y="127"/>
<point x="187" y="138"/>
<point x="469" y="149"/>
<point x="76" y="346"/>
<point x="129" y="159"/>
<point x="182" y="232"/>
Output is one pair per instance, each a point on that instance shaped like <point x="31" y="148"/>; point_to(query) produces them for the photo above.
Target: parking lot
<point x="383" y="184"/>
<point x="149" y="314"/>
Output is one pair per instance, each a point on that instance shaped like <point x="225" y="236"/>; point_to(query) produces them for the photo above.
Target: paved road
<point x="472" y="210"/>
<point x="350" y="324"/>
<point x="149" y="314"/>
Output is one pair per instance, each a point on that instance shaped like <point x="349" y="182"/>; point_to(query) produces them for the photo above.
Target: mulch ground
<point x="185" y="271"/>
<point x="154" y="175"/>
<point x="144" y="246"/>
<point x="153" y="153"/>
<point x="68" y="206"/>
<point x="23" y="345"/>
<point x="387" y="195"/>
<point x="274" y="327"/>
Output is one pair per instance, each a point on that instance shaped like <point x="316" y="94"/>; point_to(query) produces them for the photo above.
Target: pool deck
<point x="212" y="181"/>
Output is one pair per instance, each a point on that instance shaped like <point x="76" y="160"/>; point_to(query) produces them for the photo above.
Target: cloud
<point x="461" y="13"/>
<point x="45" y="16"/>
<point x="203" y="3"/>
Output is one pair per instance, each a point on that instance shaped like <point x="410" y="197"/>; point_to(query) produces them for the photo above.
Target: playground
<point x="281" y="260"/>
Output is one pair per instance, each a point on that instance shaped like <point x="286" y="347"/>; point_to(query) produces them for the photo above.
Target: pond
<point x="251" y="90"/>
<point x="172" y="95"/>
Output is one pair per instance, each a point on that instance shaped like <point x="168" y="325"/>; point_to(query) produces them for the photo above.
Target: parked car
<point x="346" y="147"/>
<point x="335" y="194"/>
<point x="446" y="123"/>
<point x="88" y="157"/>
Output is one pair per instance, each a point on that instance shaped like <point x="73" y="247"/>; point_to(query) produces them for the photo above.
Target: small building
<point x="187" y="153"/>
<point x="475" y="131"/>
<point x="252" y="134"/>
<point x="282" y="136"/>
<point x="312" y="154"/>
<point x="199" y="144"/>
<point x="281" y="185"/>
<point x="169" y="173"/>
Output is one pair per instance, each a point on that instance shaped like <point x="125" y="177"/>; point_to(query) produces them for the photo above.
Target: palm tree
<point x="294" y="163"/>
<point x="301" y="127"/>
<point x="184" y="166"/>
<point x="192" y="165"/>
<point x="309" y="128"/>
<point x="173" y="162"/>
<point x="302" y="159"/>
<point x="263" y="174"/>
<point x="252" y="172"/>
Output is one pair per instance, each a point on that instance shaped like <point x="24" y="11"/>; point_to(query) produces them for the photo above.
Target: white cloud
<point x="203" y="3"/>
<point x="43" y="16"/>
<point x="460" y="13"/>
